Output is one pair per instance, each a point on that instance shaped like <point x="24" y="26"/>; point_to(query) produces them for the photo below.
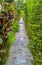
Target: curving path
<point x="19" y="53"/>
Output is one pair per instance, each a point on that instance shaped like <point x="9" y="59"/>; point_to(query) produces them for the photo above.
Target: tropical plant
<point x="33" y="21"/>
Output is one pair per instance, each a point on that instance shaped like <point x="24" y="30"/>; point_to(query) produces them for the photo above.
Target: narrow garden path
<point x="19" y="53"/>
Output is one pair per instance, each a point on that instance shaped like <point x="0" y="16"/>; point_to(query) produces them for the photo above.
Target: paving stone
<point x="19" y="53"/>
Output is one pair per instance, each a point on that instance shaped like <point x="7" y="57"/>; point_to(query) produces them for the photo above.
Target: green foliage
<point x="0" y="1"/>
<point x="33" y="18"/>
<point x="9" y="7"/>
<point x="10" y="37"/>
<point x="1" y="40"/>
<point x="20" y="5"/>
<point x="8" y="28"/>
<point x="9" y="1"/>
<point x="15" y="26"/>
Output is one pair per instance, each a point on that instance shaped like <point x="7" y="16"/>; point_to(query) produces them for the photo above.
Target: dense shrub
<point x="8" y="28"/>
<point x="33" y="21"/>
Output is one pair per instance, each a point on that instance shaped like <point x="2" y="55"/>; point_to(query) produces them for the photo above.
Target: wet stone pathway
<point x="19" y="53"/>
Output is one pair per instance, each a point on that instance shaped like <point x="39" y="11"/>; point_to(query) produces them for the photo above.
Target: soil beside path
<point x="19" y="53"/>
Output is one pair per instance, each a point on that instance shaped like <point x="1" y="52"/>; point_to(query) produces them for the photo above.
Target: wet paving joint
<point x="19" y="53"/>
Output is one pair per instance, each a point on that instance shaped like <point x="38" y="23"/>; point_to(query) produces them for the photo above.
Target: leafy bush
<point x="8" y="29"/>
<point x="10" y="37"/>
<point x="33" y="18"/>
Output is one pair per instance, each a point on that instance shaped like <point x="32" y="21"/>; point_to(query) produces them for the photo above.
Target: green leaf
<point x="11" y="37"/>
<point x="1" y="40"/>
